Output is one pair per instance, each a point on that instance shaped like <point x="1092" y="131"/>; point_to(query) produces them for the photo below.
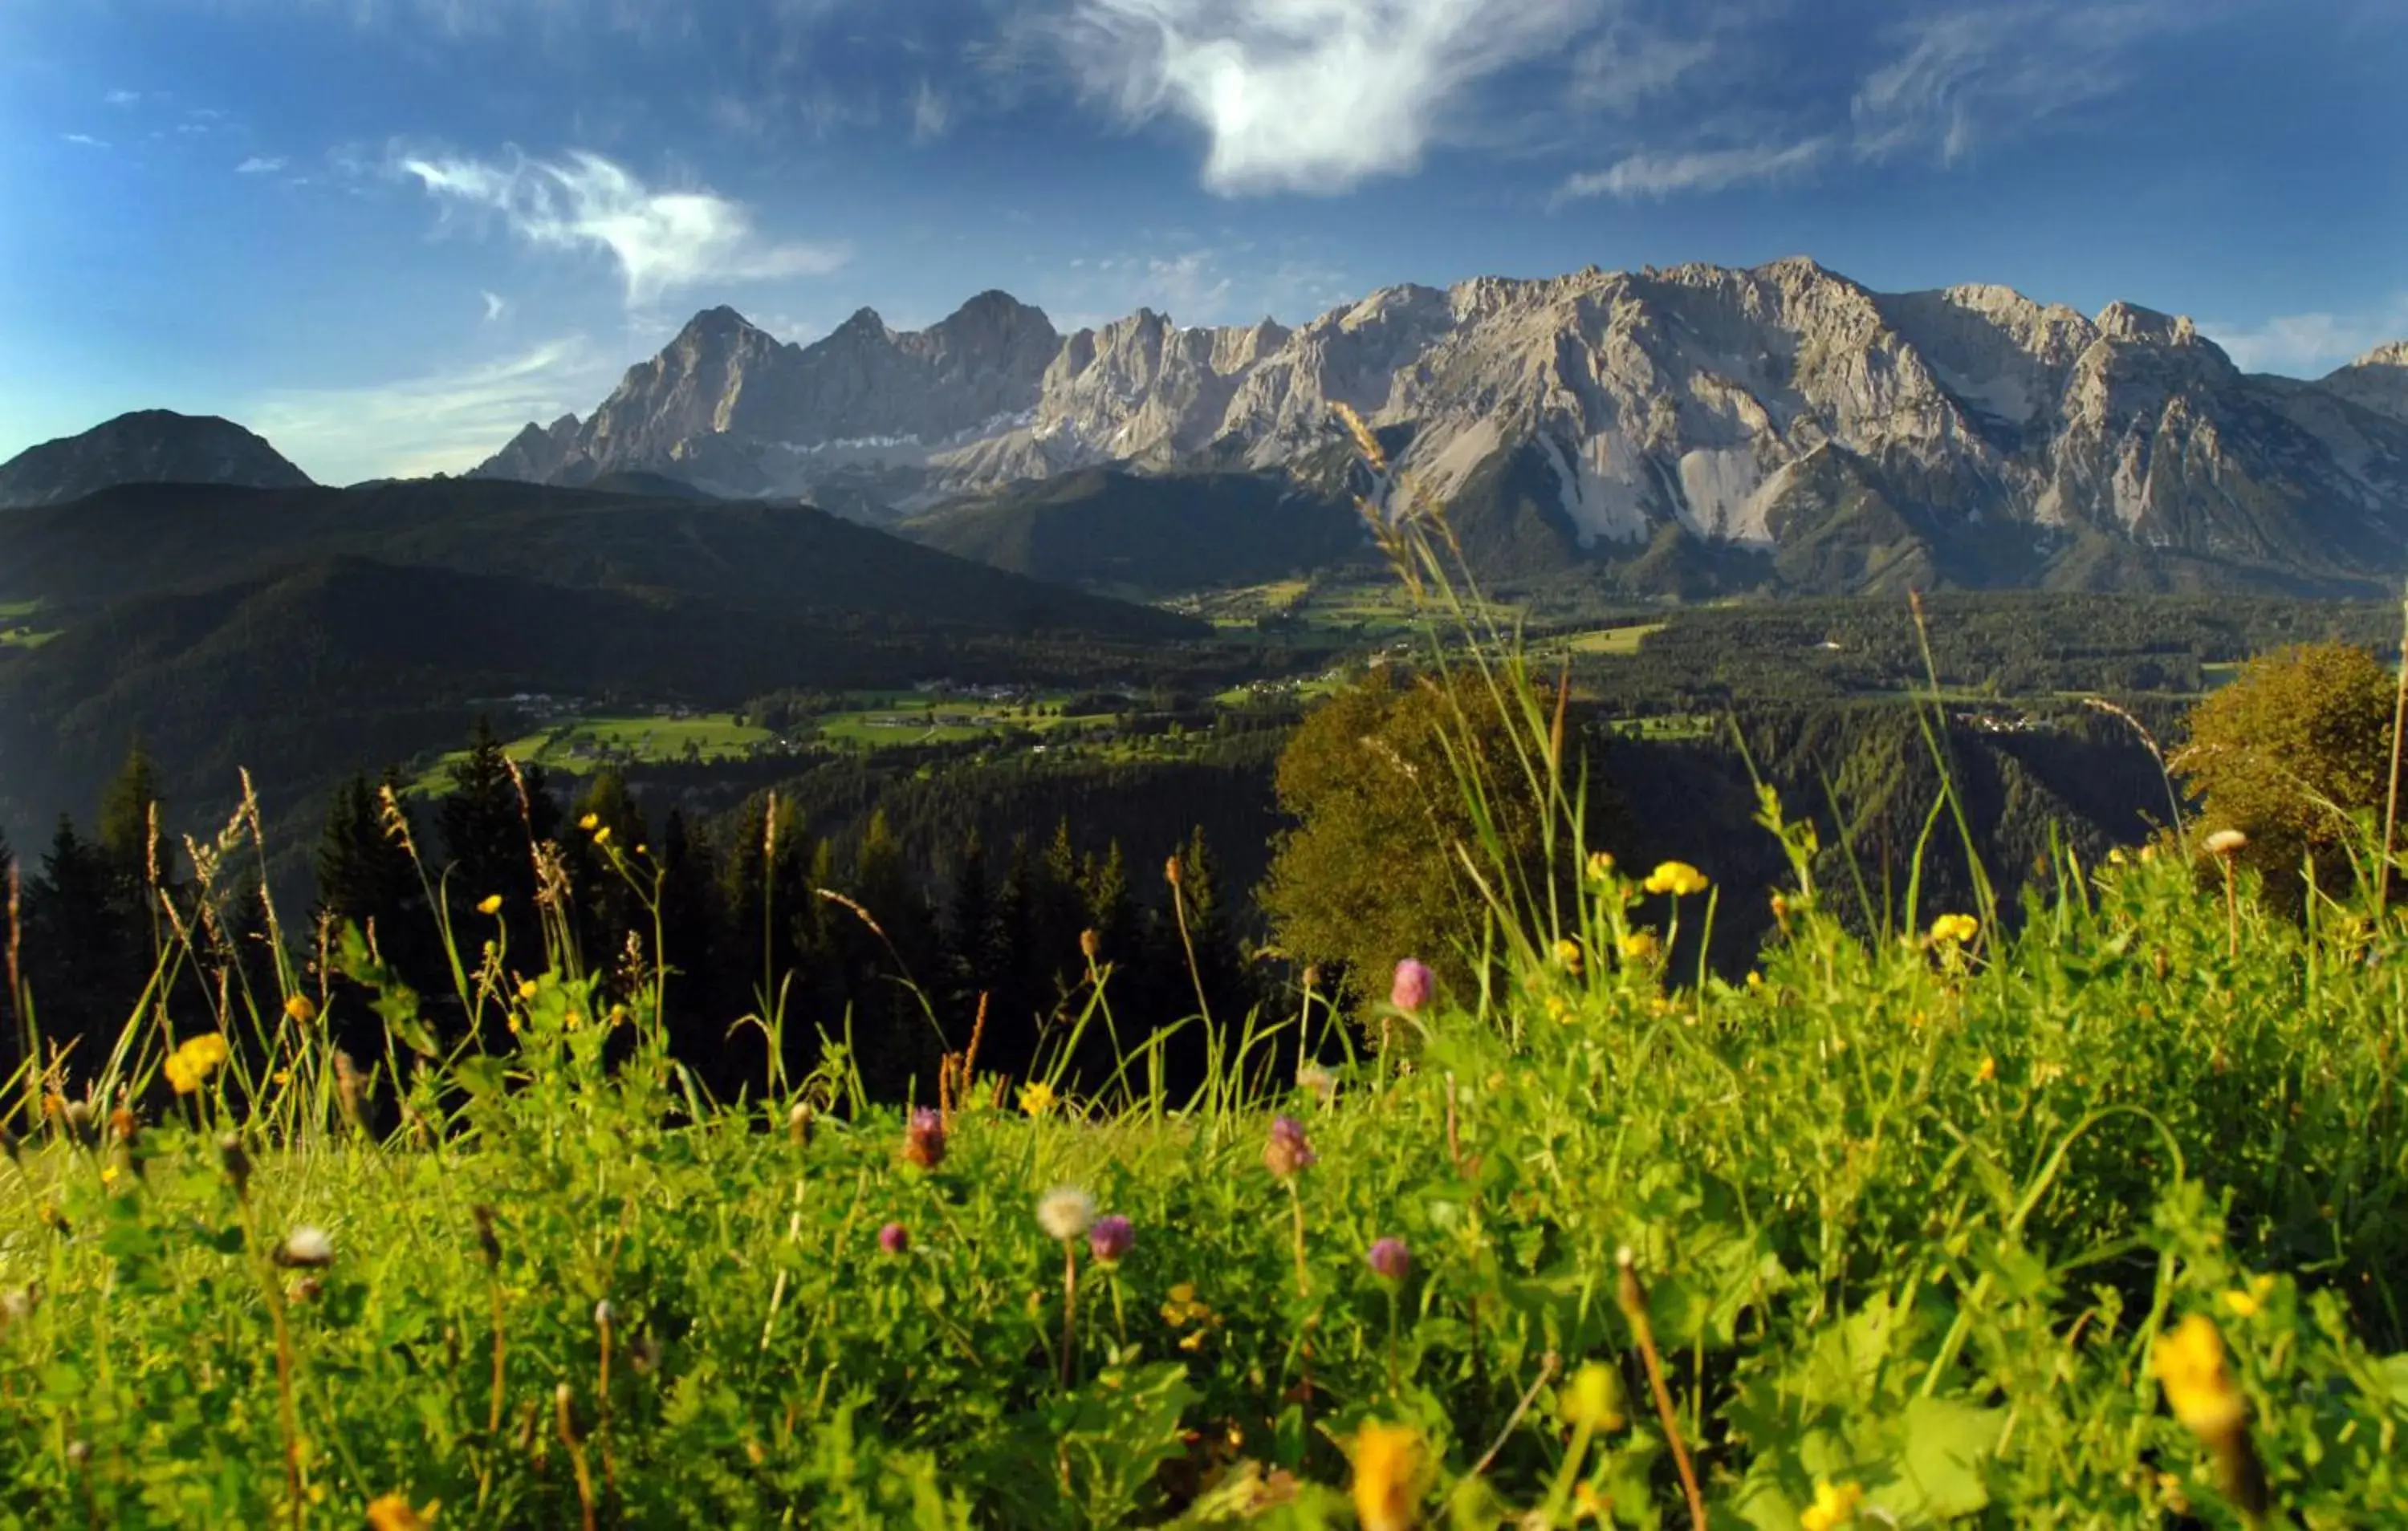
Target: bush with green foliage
<point x="2292" y="753"/>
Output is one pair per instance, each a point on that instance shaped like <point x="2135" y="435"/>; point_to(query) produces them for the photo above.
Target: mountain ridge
<point x="1695" y="396"/>
<point x="145" y="446"/>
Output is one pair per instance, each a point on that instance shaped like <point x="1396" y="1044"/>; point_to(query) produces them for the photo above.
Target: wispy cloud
<point x="443" y="423"/>
<point x="495" y="306"/>
<point x="660" y="240"/>
<point x="1198" y="285"/>
<point x="1659" y="174"/>
<point x="1307" y="96"/>
<point x="2309" y="344"/>
<point x="85" y="140"/>
<point x="1961" y="76"/>
<point x="260" y="164"/>
<point x="1630" y="65"/>
<point x="123" y="98"/>
<point x="931" y="113"/>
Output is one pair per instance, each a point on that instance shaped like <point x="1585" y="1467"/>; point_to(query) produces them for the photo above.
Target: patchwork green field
<point x="579" y="746"/>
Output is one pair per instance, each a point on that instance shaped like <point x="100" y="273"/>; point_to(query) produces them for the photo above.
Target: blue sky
<point x="385" y="233"/>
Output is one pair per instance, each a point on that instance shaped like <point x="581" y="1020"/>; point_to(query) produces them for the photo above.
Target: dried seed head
<point x="798" y="1122"/>
<point x="604" y="1314"/>
<point x="308" y="1289"/>
<point x="1172" y="871"/>
<point x="78" y="1453"/>
<point x="487" y="1245"/>
<point x="236" y="1160"/>
<point x="308" y="1247"/>
<point x="2225" y="842"/>
<point x="124" y="1127"/>
<point x="1065" y="1212"/>
<point x="1091" y="945"/>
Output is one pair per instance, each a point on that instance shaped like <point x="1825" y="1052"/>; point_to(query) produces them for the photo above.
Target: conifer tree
<point x="81" y="955"/>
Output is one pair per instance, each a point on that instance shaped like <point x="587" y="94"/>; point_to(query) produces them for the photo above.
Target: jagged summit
<point x="146" y="445"/>
<point x="1755" y="405"/>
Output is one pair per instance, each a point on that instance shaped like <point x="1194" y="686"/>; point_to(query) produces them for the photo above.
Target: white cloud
<point x="1627" y="66"/>
<point x="123" y="98"/>
<point x="1654" y="175"/>
<point x="931" y="113"/>
<point x="2309" y="344"/>
<point x="443" y="422"/>
<point x="495" y="306"/>
<point x="260" y="165"/>
<point x="1966" y="75"/>
<point x="85" y="139"/>
<point x="660" y="240"/>
<point x="1307" y="96"/>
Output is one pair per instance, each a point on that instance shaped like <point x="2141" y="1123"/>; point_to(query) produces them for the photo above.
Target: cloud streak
<point x="1659" y="175"/>
<point x="1307" y="96"/>
<point x="2309" y="344"/>
<point x="260" y="164"/>
<point x="441" y="423"/>
<point x="1962" y="75"/>
<point x="660" y="240"/>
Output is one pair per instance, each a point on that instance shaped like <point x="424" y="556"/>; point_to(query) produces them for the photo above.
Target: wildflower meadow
<point x="2089" y="1212"/>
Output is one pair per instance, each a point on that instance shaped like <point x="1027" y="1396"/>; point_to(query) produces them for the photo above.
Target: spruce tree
<point x="84" y="964"/>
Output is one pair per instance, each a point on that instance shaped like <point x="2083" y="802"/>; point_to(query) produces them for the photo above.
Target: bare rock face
<point x="1749" y="407"/>
<point x="2377" y="380"/>
<point x="147" y="447"/>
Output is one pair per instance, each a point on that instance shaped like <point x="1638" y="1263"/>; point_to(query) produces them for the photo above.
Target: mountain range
<point x="1781" y="427"/>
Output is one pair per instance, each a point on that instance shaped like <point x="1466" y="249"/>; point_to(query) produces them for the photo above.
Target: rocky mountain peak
<point x="147" y="445"/>
<point x="2377" y="380"/>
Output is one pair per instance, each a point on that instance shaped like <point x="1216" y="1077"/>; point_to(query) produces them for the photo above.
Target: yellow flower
<point x="602" y="835"/>
<point x="189" y="1064"/>
<point x="1388" y="1467"/>
<point x="301" y="1007"/>
<point x="1037" y="1097"/>
<point x="392" y="1512"/>
<point x="1567" y="951"/>
<point x="108" y="1174"/>
<point x="527" y="990"/>
<point x="489" y="904"/>
<point x="1754" y="979"/>
<point x="1594" y="1401"/>
<point x="1600" y="864"/>
<point x="1677" y="878"/>
<point x="2189" y="1366"/>
<point x="1954" y="929"/>
<point x="1834" y="1506"/>
<point x="283" y="1076"/>
<point x="1989" y="1069"/>
<point x="589" y="822"/>
<point x="2248" y="1303"/>
<point x="1560" y="1010"/>
<point x="1638" y="946"/>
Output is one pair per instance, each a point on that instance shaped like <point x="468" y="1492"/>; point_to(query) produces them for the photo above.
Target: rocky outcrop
<point x="1741" y="406"/>
<point x="147" y="447"/>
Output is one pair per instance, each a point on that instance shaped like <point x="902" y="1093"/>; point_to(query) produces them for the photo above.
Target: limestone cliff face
<point x="147" y="447"/>
<point x="1734" y="403"/>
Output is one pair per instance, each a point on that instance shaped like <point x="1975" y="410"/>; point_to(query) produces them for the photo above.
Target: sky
<point x="387" y="233"/>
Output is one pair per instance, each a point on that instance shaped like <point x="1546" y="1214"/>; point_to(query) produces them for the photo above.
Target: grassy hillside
<point x="1942" y="1227"/>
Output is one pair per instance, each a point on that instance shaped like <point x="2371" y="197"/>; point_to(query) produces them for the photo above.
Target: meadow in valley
<point x="2086" y="1210"/>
